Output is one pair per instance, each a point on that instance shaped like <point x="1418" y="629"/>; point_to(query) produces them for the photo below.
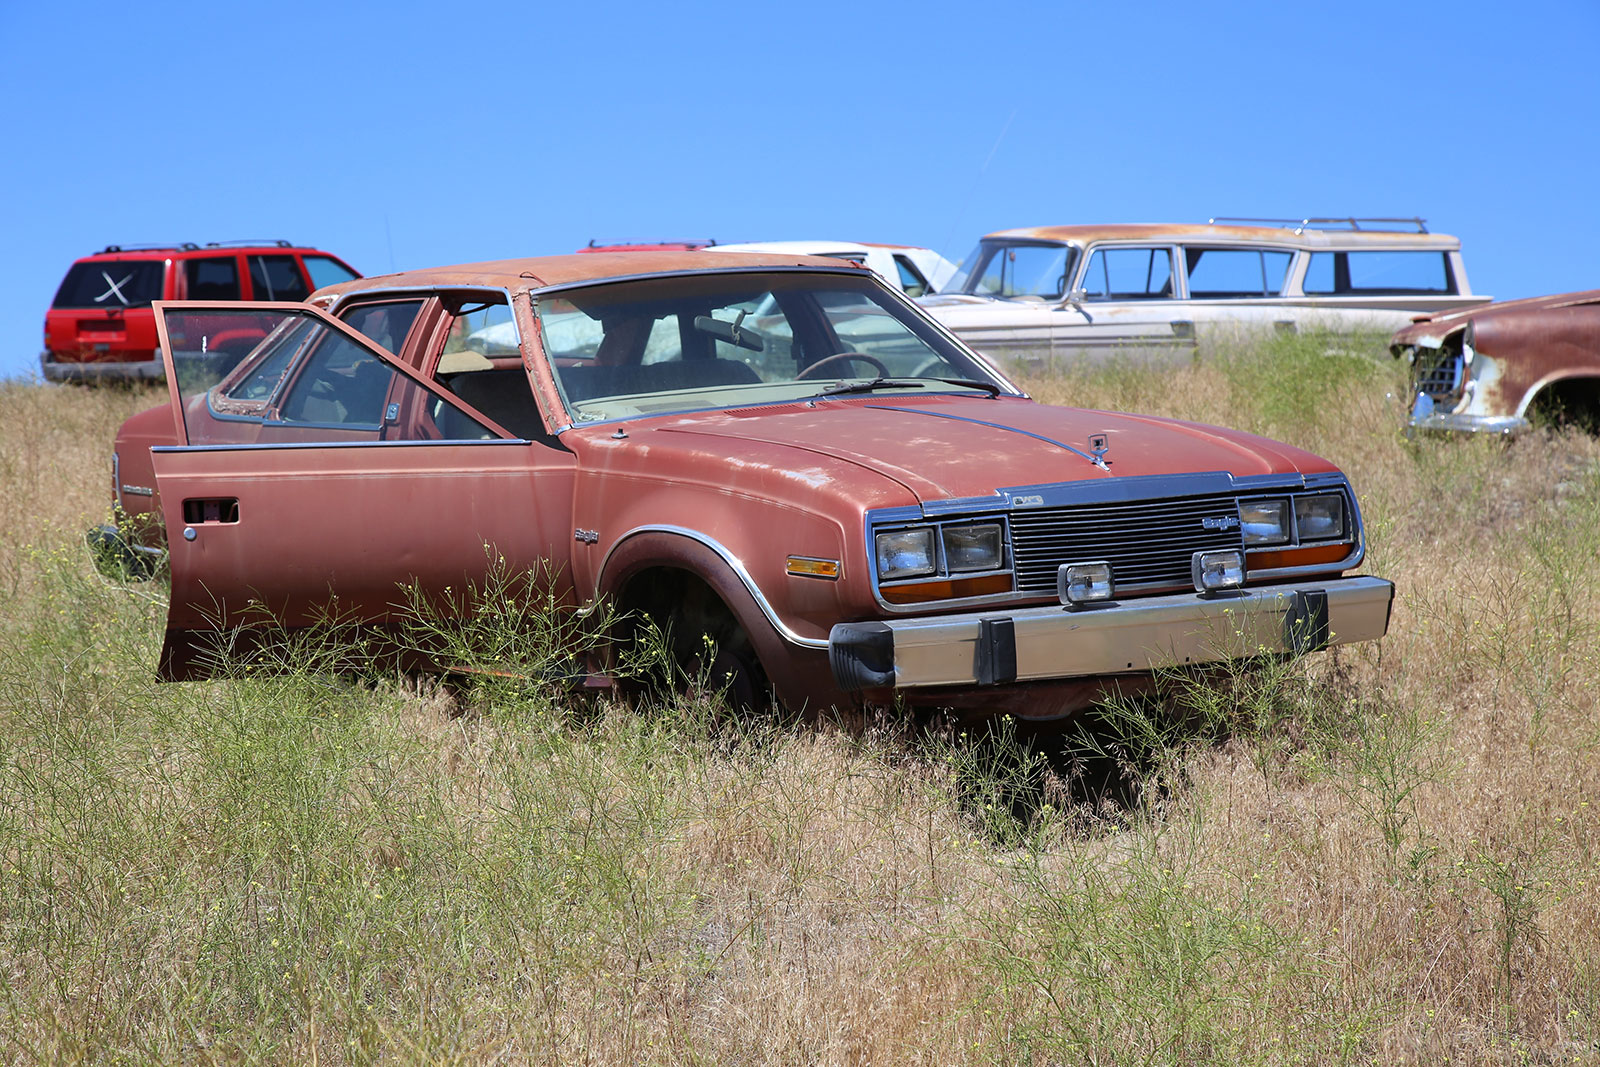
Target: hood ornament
<point x="1099" y="445"/>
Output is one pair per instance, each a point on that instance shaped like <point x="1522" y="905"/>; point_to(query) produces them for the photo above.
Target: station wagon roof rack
<point x="1330" y="222"/>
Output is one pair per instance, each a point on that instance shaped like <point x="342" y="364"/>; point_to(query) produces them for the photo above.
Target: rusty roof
<point x="1189" y="231"/>
<point x="538" y="272"/>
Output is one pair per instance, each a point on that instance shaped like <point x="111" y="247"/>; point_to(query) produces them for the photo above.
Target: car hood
<point x="960" y="447"/>
<point x="1429" y="331"/>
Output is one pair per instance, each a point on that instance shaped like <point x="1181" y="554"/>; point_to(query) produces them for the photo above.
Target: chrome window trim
<point x="734" y="563"/>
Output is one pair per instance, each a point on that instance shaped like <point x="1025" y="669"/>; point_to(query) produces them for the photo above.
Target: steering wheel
<point x="839" y="357"/>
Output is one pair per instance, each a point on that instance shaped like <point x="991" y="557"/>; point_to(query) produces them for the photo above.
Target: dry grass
<point x="1388" y="855"/>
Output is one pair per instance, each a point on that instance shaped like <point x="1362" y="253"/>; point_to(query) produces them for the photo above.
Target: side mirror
<point x="1077" y="296"/>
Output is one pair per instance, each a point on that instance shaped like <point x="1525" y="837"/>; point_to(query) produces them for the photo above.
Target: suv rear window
<point x="111" y="284"/>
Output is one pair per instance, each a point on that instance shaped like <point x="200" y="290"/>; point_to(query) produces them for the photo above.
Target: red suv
<point x="100" y="324"/>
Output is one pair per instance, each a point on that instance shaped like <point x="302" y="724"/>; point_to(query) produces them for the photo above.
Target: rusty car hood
<point x="1429" y="331"/>
<point x="958" y="447"/>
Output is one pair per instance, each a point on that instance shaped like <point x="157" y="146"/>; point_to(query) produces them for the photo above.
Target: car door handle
<point x="212" y="512"/>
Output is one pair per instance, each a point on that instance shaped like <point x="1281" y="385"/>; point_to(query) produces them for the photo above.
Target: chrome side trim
<point x="734" y="564"/>
<point x="292" y="445"/>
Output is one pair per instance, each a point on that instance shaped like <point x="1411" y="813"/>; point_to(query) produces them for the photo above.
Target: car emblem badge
<point x="587" y="537"/>
<point x="1222" y="522"/>
<point x="1027" y="501"/>
<point x="1099" y="445"/>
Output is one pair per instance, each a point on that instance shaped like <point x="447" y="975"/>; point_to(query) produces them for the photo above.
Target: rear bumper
<point x="1054" y="644"/>
<point x="132" y="370"/>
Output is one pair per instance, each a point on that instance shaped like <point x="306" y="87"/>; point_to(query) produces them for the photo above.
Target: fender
<point x="797" y="667"/>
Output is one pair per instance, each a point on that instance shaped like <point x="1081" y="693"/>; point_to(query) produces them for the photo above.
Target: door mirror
<point x="1077" y="296"/>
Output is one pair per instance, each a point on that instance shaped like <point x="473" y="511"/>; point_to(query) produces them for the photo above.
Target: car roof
<point x="541" y="272"/>
<point x="1187" y="231"/>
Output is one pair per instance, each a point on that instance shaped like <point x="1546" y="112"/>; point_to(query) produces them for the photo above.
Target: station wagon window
<point x="1224" y="273"/>
<point x="1128" y="274"/>
<point x="1008" y="270"/>
<point x="212" y="279"/>
<point x="1379" y="273"/>
<point x="276" y="278"/>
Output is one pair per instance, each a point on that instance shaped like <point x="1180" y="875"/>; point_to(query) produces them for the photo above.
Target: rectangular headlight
<point x="1319" y="518"/>
<point x="904" y="553"/>
<point x="1212" y="571"/>
<point x="1265" y="522"/>
<point x="1083" y="583"/>
<point x="973" y="548"/>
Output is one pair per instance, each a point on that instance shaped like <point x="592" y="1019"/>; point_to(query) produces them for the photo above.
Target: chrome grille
<point x="1149" y="543"/>
<point x="1438" y="373"/>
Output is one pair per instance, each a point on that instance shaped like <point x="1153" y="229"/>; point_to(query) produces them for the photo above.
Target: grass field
<point x="1384" y="855"/>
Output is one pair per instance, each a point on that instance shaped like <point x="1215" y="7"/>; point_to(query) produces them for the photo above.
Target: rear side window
<point x="326" y="271"/>
<point x="212" y="279"/>
<point x="277" y="278"/>
<point x="1223" y="273"/>
<point x="1379" y="273"/>
<point x="111" y="284"/>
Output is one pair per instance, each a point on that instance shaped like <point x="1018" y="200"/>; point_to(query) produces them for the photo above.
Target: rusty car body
<point x="1046" y="293"/>
<point x="780" y="454"/>
<point x="1490" y="369"/>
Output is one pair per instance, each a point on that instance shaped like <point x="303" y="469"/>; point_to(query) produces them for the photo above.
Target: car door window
<point x="387" y="323"/>
<point x="305" y="381"/>
<point x="325" y="270"/>
<point x="911" y="279"/>
<point x="212" y="279"/>
<point x="1128" y="274"/>
<point x="1224" y="273"/>
<point x="276" y="278"/>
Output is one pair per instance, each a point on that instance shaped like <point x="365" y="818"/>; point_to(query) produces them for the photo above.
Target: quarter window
<point x="387" y="323"/>
<point x="1224" y="273"/>
<point x="212" y="279"/>
<point x="324" y="270"/>
<point x="911" y="279"/>
<point x="1379" y="273"/>
<point x="1128" y="274"/>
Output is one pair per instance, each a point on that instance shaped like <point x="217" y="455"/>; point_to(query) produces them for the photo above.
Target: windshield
<point x="695" y="342"/>
<point x="1015" y="270"/>
<point x="109" y="283"/>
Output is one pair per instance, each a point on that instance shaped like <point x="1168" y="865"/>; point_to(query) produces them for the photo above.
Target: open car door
<point x="318" y="475"/>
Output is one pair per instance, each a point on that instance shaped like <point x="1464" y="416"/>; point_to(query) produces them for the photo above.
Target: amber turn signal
<point x="806" y="567"/>
<point x="947" y="589"/>
<point x="1297" y="557"/>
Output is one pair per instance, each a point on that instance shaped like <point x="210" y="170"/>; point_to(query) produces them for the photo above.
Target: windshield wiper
<point x="874" y="384"/>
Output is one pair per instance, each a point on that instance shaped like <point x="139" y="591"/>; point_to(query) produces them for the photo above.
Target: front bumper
<point x="1427" y="418"/>
<point x="1149" y="633"/>
<point x="132" y="370"/>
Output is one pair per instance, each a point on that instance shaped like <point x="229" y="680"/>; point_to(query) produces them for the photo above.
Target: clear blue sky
<point x="407" y="134"/>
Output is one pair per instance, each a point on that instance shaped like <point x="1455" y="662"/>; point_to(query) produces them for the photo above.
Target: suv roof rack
<point x="187" y="246"/>
<point x="190" y="246"/>
<point x="1329" y="222"/>
<point x="278" y="243"/>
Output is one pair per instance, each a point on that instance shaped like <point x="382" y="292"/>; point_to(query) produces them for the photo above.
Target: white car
<point x="1040" y="293"/>
<point x="916" y="271"/>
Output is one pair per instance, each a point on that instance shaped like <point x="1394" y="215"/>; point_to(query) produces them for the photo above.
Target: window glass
<point x="481" y="328"/>
<point x="212" y="279"/>
<point x="1397" y="273"/>
<point x="998" y="269"/>
<point x="1221" y="273"/>
<point x="276" y="278"/>
<point x="911" y="279"/>
<point x="327" y="271"/>
<point x="111" y="284"/>
<point x="1128" y="274"/>
<point x="302" y="381"/>
<point x="387" y="323"/>
<point x="696" y="342"/>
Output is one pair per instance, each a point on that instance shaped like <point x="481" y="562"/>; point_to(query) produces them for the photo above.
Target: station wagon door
<point x="1126" y="304"/>
<point x="320" y="475"/>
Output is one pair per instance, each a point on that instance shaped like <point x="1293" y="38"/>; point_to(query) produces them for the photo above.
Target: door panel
<point x="259" y="531"/>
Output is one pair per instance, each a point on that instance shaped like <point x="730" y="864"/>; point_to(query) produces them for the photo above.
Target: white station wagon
<point x="1037" y="293"/>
